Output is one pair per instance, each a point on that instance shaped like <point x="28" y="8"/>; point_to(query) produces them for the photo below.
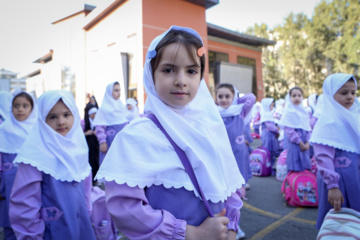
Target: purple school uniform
<point x="343" y="173"/>
<point x="7" y="177"/>
<point x="269" y="140"/>
<point x="297" y="160"/>
<point x="110" y="132"/>
<point x="54" y="209"/>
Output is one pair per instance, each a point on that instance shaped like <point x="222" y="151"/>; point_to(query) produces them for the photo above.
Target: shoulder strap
<point x="184" y="160"/>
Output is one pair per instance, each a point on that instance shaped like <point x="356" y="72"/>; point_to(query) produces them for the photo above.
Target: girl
<point x="297" y="130"/>
<point x="269" y="131"/>
<point x="53" y="163"/>
<point x="110" y="118"/>
<point x="92" y="141"/>
<point x="336" y="140"/>
<point x="132" y="109"/>
<point x="148" y="192"/>
<point x="13" y="132"/>
<point x="233" y="111"/>
<point x="256" y="119"/>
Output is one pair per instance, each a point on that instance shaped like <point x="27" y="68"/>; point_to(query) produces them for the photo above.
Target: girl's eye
<point x="227" y="96"/>
<point x="52" y="117"/>
<point x="220" y="96"/>
<point x="26" y="106"/>
<point x="67" y="114"/>
<point x="168" y="70"/>
<point x="17" y="106"/>
<point x="192" y="71"/>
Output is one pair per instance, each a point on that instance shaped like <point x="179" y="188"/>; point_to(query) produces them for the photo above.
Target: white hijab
<point x="312" y="102"/>
<point x="111" y="112"/>
<point x="14" y="132"/>
<point x="295" y="116"/>
<point x="319" y="106"/>
<point x="338" y="127"/>
<point x="234" y="109"/>
<point x="63" y="157"/>
<point x="197" y="129"/>
<point x="92" y="111"/>
<point x="265" y="113"/>
<point x="134" y="112"/>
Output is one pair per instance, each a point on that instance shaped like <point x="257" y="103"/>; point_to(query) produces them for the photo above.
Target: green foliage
<point x="308" y="50"/>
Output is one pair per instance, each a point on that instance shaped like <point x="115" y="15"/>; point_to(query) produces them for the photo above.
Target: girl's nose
<point x="180" y="79"/>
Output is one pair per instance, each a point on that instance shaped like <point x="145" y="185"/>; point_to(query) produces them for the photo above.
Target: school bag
<point x="260" y="164"/>
<point x="344" y="224"/>
<point x="281" y="167"/>
<point x="300" y="189"/>
<point x="314" y="166"/>
<point x="100" y="218"/>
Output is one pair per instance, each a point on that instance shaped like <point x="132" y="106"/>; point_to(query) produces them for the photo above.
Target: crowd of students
<point x="178" y="172"/>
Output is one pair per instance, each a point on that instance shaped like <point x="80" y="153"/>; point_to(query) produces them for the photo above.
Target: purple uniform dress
<point x="297" y="160"/>
<point x="7" y="177"/>
<point x="161" y="213"/>
<point x="337" y="168"/>
<point x="107" y="134"/>
<point x="269" y="140"/>
<point x="42" y="207"/>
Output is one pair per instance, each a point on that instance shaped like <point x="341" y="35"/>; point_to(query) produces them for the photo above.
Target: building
<point x="99" y="45"/>
<point x="9" y="81"/>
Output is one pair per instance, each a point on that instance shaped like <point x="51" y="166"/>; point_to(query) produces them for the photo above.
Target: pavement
<point x="265" y="214"/>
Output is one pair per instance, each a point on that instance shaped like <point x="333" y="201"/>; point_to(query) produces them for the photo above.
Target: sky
<point x="25" y="25"/>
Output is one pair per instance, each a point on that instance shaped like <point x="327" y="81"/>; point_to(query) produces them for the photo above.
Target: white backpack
<point x="342" y="225"/>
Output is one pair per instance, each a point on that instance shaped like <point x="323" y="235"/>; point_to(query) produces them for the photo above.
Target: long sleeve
<point x="87" y="189"/>
<point x="249" y="101"/>
<point x="325" y="156"/>
<point x="271" y="127"/>
<point x="134" y="217"/>
<point x="25" y="203"/>
<point x="100" y="133"/>
<point x="292" y="135"/>
<point x="233" y="205"/>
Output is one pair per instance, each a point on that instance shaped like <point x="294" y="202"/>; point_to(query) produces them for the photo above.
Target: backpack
<point x="100" y="218"/>
<point x="344" y="224"/>
<point x="281" y="167"/>
<point x="260" y="164"/>
<point x="300" y="189"/>
<point x="314" y="166"/>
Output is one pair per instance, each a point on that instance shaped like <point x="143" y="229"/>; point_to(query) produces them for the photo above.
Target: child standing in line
<point x="13" y="132"/>
<point x="110" y="118"/>
<point x="53" y="166"/>
<point x="148" y="192"/>
<point x="336" y="140"/>
<point x="233" y="111"/>
<point x="132" y="109"/>
<point x="297" y="130"/>
<point x="269" y="131"/>
<point x="256" y="119"/>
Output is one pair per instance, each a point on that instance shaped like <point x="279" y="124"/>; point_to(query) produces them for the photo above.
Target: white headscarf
<point x="14" y="132"/>
<point x="265" y="113"/>
<point x="197" y="129"/>
<point x="5" y="104"/>
<point x="92" y="111"/>
<point x="63" y="157"/>
<point x="111" y="112"/>
<point x="295" y="116"/>
<point x="234" y="109"/>
<point x="338" y="127"/>
<point x="319" y="106"/>
<point x="134" y="112"/>
<point x="312" y="102"/>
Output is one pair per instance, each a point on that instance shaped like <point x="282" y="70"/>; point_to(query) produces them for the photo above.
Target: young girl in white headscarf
<point x="148" y="192"/>
<point x="336" y="141"/>
<point x="48" y="199"/>
<point x="297" y="130"/>
<point x="132" y="109"/>
<point x="13" y="132"/>
<point x="269" y="131"/>
<point x="110" y="118"/>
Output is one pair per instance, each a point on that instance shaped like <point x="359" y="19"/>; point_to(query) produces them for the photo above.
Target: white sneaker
<point x="240" y="234"/>
<point x="247" y="186"/>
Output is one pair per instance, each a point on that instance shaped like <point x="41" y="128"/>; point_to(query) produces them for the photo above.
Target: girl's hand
<point x="307" y="145"/>
<point x="302" y="146"/>
<point x="103" y="147"/>
<point x="335" y="198"/>
<point x="247" y="143"/>
<point x="211" y="228"/>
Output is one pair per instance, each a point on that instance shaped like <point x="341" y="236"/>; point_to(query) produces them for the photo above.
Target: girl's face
<point x="116" y="91"/>
<point x="272" y="105"/>
<point x="21" y="108"/>
<point x="346" y="94"/>
<point x="129" y="107"/>
<point x="296" y="97"/>
<point x="224" y="97"/>
<point x="177" y="77"/>
<point x="92" y="116"/>
<point x="60" y="118"/>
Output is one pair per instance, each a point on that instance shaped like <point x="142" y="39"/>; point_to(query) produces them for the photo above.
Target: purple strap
<point x="185" y="161"/>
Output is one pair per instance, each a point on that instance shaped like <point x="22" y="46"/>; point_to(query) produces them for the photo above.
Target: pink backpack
<point x="281" y="167"/>
<point x="260" y="164"/>
<point x="300" y="189"/>
<point x="102" y="224"/>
